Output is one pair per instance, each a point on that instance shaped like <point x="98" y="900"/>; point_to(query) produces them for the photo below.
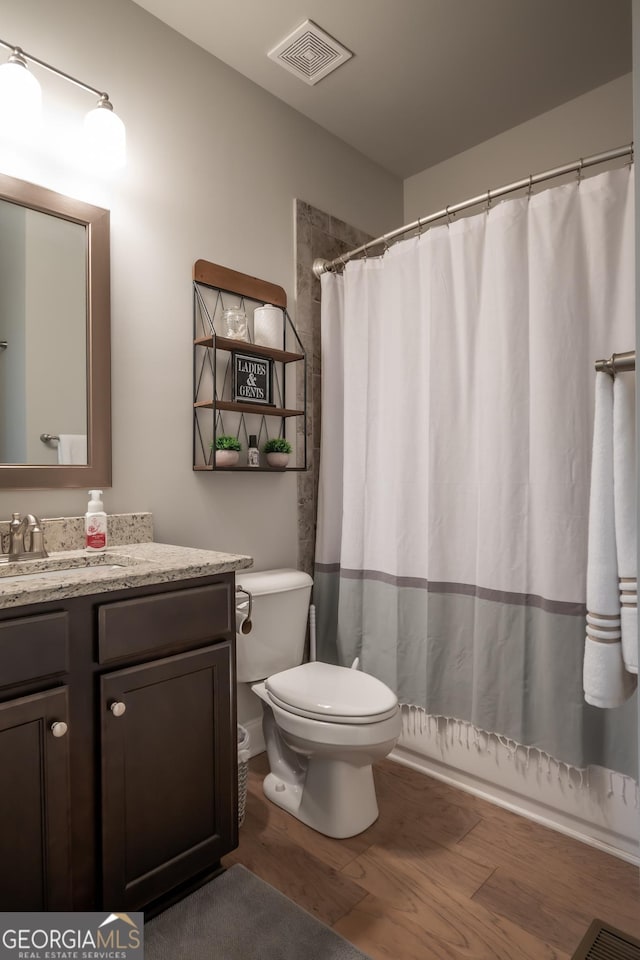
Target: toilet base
<point x="335" y="798"/>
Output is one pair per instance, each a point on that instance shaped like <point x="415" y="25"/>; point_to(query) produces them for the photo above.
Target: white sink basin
<point x="61" y="573"/>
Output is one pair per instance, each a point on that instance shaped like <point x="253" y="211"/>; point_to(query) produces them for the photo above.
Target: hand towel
<point x="72" y="448"/>
<point x="606" y="683"/>
<point x="624" y="487"/>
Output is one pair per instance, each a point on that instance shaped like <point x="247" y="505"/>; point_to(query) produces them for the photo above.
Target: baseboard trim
<point x="561" y="821"/>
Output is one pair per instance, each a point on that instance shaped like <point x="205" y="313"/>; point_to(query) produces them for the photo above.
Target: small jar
<point x="234" y="324"/>
<point x="253" y="453"/>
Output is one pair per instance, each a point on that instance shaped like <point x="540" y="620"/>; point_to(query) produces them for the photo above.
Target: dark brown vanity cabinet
<point x="120" y="772"/>
<point x="35" y="798"/>
<point x="35" y="803"/>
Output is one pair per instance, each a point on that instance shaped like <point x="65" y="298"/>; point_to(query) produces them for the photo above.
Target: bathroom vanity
<point x="117" y="726"/>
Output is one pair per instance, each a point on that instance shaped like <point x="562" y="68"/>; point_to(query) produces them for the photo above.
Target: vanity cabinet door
<point x="169" y="773"/>
<point x="34" y="803"/>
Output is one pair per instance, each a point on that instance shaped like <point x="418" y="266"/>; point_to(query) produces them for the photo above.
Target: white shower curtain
<point x="457" y="410"/>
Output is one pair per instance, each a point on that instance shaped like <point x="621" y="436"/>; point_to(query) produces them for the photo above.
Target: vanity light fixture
<point x="20" y="101"/>
<point x="20" y="94"/>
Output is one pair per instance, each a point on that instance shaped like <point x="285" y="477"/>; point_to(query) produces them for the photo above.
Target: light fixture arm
<point x="104" y="137"/>
<point x="60" y="73"/>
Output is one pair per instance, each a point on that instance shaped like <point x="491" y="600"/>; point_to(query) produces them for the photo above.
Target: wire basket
<point x="243" y="771"/>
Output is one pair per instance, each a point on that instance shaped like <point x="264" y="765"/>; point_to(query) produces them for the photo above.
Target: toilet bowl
<point x="323" y="725"/>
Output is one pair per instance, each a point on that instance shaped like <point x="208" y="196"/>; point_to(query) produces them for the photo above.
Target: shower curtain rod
<point x="321" y="266"/>
<point x="617" y="363"/>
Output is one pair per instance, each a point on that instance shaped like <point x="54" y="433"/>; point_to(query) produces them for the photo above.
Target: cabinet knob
<point x="118" y="708"/>
<point x="59" y="728"/>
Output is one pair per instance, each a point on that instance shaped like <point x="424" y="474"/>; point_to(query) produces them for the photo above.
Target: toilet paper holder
<point x="243" y="622"/>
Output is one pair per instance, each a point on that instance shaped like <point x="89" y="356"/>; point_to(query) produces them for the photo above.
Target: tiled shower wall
<point x="318" y="234"/>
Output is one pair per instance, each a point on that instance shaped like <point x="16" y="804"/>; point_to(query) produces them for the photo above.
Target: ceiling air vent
<point x="310" y="53"/>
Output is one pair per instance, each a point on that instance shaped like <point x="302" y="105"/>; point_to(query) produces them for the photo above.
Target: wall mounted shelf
<point x="223" y="343"/>
<point x="215" y="411"/>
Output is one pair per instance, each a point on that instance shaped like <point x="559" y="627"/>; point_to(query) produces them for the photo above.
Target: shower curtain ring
<point x="448" y="216"/>
<point x="530" y="187"/>
<point x="580" y="171"/>
<point x="488" y="200"/>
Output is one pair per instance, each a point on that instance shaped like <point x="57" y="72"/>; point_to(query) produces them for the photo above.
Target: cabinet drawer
<point x="176" y="619"/>
<point x="32" y="647"/>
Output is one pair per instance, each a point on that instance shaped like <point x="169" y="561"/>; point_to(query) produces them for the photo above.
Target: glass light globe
<point x="105" y="137"/>
<point x="20" y="97"/>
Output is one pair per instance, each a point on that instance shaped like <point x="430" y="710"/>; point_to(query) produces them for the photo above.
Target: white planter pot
<point x="277" y="459"/>
<point x="226" y="458"/>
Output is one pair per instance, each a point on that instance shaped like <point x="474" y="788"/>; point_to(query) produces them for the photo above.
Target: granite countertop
<point x="74" y="573"/>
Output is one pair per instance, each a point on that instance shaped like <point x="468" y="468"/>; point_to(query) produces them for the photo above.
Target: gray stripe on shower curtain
<point x="465" y="589"/>
<point x="512" y="667"/>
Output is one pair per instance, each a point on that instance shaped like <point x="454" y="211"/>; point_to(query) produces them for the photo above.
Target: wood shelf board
<point x="211" y="469"/>
<point x="224" y="343"/>
<point x="261" y="409"/>
<point x="215" y="275"/>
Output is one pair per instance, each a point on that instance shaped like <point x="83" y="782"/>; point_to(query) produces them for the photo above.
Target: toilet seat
<point x="323" y="691"/>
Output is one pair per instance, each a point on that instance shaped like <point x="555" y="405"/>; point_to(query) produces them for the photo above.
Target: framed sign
<point x="252" y="378"/>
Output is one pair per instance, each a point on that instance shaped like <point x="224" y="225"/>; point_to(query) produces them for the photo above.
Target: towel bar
<point x="48" y="437"/>
<point x="617" y="363"/>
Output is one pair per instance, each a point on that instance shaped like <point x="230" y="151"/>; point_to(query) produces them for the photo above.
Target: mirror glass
<point x="43" y="315"/>
<point x="54" y="340"/>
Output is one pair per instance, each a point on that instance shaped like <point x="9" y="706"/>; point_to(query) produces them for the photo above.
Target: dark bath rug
<point x="237" y="916"/>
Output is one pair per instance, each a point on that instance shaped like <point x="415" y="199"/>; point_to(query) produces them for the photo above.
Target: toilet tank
<point x="279" y="614"/>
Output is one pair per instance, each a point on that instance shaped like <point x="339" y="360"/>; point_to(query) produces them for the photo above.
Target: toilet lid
<point x="323" y="691"/>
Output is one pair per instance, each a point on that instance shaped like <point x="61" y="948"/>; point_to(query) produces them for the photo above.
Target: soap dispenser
<point x="95" y="523"/>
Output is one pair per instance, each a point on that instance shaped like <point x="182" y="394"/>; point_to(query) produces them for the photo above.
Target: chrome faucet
<point x="26" y="539"/>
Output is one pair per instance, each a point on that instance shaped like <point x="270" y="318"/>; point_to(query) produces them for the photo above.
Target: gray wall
<point x="214" y="166"/>
<point x="592" y="123"/>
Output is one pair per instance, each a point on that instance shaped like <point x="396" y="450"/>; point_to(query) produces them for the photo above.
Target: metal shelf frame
<point x="214" y="289"/>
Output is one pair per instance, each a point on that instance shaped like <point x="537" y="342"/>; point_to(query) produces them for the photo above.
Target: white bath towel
<point x="624" y="486"/>
<point x="629" y="621"/>
<point x="606" y="683"/>
<point x="603" y="597"/>
<point x="72" y="448"/>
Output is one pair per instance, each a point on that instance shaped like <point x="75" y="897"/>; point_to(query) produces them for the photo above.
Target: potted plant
<point x="227" y="451"/>
<point x="277" y="452"/>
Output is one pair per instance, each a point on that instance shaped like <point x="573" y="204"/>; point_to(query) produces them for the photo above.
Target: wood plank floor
<point x="441" y="875"/>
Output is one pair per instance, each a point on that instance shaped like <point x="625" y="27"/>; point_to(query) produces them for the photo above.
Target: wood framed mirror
<point x="55" y="350"/>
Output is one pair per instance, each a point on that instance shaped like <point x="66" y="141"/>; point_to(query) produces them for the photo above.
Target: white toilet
<point x="323" y="725"/>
